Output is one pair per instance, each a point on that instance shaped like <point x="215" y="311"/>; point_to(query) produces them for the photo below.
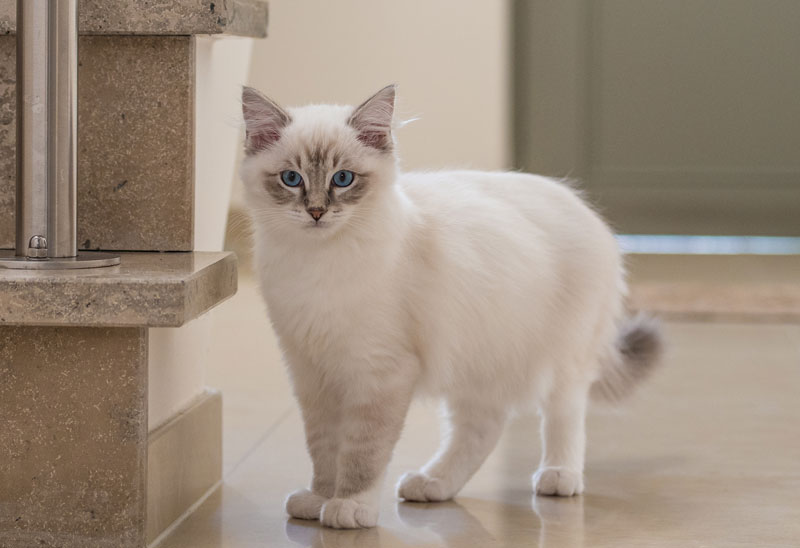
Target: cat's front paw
<point x="419" y="487"/>
<point x="303" y="504"/>
<point x="562" y="482"/>
<point x="348" y="514"/>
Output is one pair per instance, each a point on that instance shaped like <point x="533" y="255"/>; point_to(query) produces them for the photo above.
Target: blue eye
<point x="291" y="178"/>
<point x="343" y="178"/>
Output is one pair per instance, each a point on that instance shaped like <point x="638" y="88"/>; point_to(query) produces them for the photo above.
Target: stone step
<point x="145" y="290"/>
<point x="176" y="17"/>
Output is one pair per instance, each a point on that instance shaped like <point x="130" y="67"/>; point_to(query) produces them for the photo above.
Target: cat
<point x="489" y="291"/>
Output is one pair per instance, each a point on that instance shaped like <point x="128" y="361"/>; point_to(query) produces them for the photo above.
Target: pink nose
<point x="316" y="212"/>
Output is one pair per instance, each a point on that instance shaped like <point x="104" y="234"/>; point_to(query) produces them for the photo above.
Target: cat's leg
<point x="563" y="442"/>
<point x="369" y="429"/>
<point x="320" y="411"/>
<point x="475" y="428"/>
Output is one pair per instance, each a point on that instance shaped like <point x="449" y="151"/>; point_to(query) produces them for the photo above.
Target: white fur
<point x="491" y="291"/>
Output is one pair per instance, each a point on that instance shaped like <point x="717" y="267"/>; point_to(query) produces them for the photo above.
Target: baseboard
<point x="184" y="461"/>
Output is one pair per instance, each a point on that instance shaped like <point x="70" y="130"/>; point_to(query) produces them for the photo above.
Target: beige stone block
<point x="135" y="142"/>
<point x="74" y="437"/>
<point x="240" y="17"/>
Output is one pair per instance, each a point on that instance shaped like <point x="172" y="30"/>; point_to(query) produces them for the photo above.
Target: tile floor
<point x="708" y="454"/>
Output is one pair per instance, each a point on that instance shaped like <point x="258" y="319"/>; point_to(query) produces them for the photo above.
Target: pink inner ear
<point x="264" y="121"/>
<point x="262" y="139"/>
<point x="372" y="120"/>
<point x="375" y="139"/>
<point x="263" y="130"/>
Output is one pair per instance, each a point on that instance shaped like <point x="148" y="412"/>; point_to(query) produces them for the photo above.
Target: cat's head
<point x="314" y="169"/>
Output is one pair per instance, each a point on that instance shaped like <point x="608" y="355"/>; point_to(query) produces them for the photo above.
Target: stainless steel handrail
<point x="47" y="135"/>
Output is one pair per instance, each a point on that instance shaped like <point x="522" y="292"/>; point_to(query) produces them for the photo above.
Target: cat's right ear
<point x="372" y="120"/>
<point x="264" y="120"/>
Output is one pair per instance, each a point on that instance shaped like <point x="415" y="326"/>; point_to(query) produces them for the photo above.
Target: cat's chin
<point x="322" y="229"/>
<point x="319" y="227"/>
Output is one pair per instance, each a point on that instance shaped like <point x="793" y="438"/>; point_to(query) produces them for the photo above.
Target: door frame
<point x="555" y="127"/>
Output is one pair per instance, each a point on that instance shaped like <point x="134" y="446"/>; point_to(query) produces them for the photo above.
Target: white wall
<point x="178" y="357"/>
<point x="449" y="58"/>
<point x="222" y="65"/>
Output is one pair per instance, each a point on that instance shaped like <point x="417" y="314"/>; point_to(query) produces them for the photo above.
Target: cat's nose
<point x="316" y="212"/>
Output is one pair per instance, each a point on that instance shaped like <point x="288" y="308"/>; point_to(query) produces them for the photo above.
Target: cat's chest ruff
<point x="332" y="329"/>
<point x="333" y="299"/>
<point x="320" y="285"/>
<point x="326" y="302"/>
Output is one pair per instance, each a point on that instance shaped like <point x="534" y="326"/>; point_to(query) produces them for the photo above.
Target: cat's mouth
<point x="316" y="225"/>
<point x="326" y="222"/>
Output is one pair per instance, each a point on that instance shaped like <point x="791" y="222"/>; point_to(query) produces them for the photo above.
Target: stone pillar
<point x="73" y="436"/>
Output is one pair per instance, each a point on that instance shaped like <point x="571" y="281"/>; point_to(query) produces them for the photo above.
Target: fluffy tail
<point x="638" y="351"/>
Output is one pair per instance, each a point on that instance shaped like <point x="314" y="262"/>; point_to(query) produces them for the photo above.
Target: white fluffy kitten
<point x="487" y="290"/>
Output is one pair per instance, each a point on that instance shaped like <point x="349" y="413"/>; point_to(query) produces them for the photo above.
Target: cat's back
<point x="493" y="229"/>
<point x="495" y="202"/>
<point x="509" y="258"/>
<point x="503" y="223"/>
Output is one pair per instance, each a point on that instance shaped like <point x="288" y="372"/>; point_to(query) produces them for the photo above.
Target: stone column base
<point x="73" y="440"/>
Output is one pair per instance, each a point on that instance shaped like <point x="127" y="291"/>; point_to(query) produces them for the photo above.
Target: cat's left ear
<point x="264" y="120"/>
<point x="372" y="120"/>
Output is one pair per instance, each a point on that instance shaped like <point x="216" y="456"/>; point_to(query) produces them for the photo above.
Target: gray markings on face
<point x="318" y="155"/>
<point x="357" y="190"/>
<point x="280" y="194"/>
<point x="316" y="162"/>
<point x="317" y="194"/>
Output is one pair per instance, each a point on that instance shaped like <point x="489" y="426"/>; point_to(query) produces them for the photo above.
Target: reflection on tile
<point x="706" y="455"/>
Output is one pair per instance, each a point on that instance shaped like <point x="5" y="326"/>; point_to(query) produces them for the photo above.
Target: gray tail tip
<point x="641" y="342"/>
<point x="640" y="346"/>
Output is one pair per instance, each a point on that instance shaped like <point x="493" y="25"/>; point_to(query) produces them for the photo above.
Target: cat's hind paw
<point x="303" y="504"/>
<point x="419" y="487"/>
<point x="557" y="481"/>
<point x="348" y="514"/>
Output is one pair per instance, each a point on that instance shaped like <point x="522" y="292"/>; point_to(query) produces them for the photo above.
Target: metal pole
<point x="63" y="133"/>
<point x="32" y="114"/>
<point x="47" y="136"/>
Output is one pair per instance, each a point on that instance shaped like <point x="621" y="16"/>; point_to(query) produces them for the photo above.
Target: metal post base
<point x="88" y="259"/>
